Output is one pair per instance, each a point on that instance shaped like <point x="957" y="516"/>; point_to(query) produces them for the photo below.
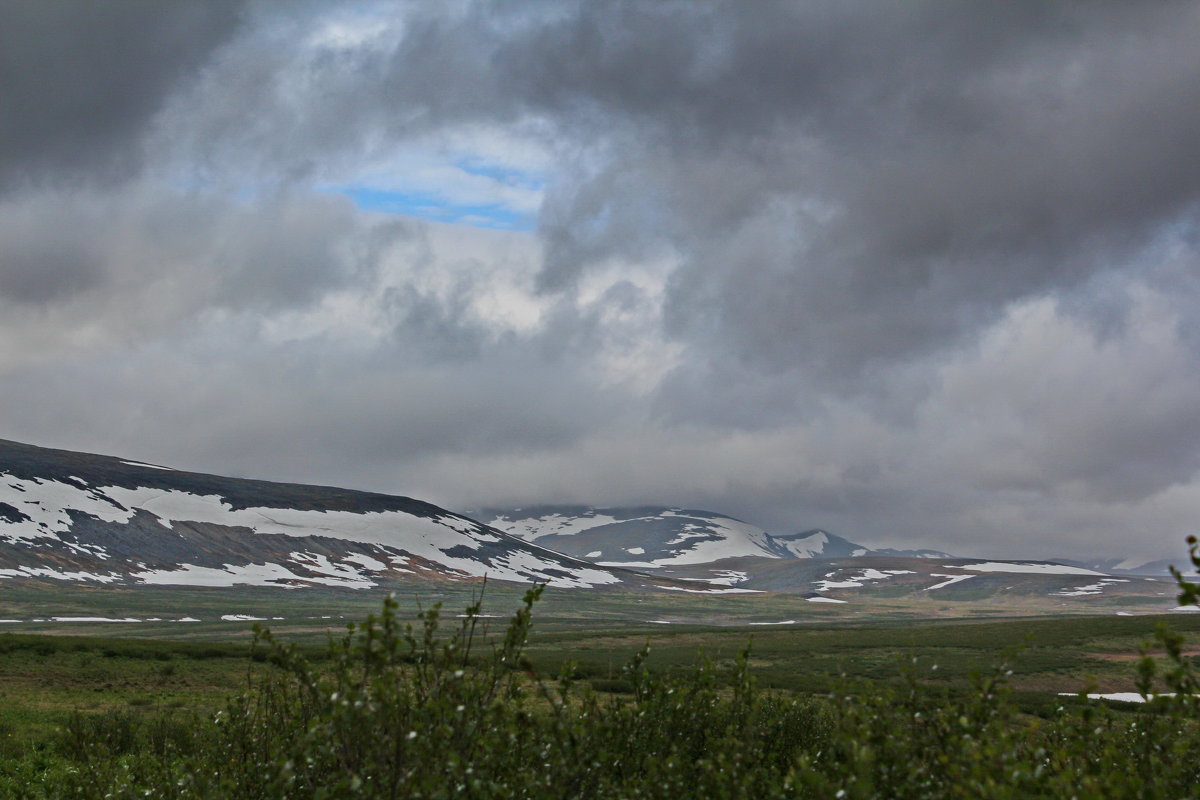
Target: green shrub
<point x="408" y="710"/>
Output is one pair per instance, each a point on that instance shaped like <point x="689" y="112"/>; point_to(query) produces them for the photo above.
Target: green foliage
<point x="394" y="709"/>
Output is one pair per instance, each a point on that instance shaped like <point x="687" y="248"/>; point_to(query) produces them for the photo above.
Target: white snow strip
<point x="823" y="600"/>
<point x="856" y="581"/>
<point x="594" y="554"/>
<point x="241" y="618"/>
<point x="637" y="551"/>
<point x="1044" y="569"/>
<point x="781" y="622"/>
<point x="147" y="466"/>
<point x="712" y="591"/>
<point x="1186" y="609"/>
<point x="46" y="572"/>
<point x="1092" y="589"/>
<point x="951" y="579"/>
<point x="1125" y="697"/>
<point x="93" y="619"/>
<point x="267" y="574"/>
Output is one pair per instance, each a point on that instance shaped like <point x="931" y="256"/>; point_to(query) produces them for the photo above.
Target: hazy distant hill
<point x="649" y="537"/>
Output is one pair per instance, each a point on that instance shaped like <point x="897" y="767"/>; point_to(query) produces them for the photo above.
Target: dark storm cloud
<point x="904" y="270"/>
<point x="854" y="183"/>
<point x="847" y="183"/>
<point x="79" y="81"/>
<point x="130" y="259"/>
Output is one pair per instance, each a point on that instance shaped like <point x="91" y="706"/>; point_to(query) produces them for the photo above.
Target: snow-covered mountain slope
<point x="651" y="537"/>
<point x="643" y="537"/>
<point x="80" y="517"/>
<point x="814" y="543"/>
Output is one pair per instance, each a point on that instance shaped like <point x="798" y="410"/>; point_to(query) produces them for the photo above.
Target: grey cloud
<point x="49" y="255"/>
<point x="81" y="81"/>
<point x="851" y="184"/>
<point x="846" y="184"/>
<point x="858" y="199"/>
<point x="143" y="261"/>
<point x="313" y="412"/>
<point x="436" y="329"/>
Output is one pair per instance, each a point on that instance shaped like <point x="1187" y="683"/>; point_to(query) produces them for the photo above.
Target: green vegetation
<point x="414" y="710"/>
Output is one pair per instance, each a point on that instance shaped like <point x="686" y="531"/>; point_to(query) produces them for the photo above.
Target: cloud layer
<point x="924" y="274"/>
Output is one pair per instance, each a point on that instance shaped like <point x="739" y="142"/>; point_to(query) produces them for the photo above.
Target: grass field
<point x="51" y="683"/>
<point x="43" y="677"/>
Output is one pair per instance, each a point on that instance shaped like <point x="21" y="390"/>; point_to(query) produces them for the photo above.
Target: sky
<point x="921" y="273"/>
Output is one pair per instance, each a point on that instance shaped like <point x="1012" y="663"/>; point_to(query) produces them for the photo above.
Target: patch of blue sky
<point x="431" y="206"/>
<point x="507" y="176"/>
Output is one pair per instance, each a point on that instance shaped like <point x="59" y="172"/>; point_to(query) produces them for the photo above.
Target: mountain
<point x="642" y="537"/>
<point x="651" y="537"/>
<point x="92" y="518"/>
<point x="1131" y="566"/>
<point x="814" y="543"/>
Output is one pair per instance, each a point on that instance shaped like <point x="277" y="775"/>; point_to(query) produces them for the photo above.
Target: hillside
<point x="105" y="520"/>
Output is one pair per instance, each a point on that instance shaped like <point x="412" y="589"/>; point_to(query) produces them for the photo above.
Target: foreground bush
<point x="406" y="711"/>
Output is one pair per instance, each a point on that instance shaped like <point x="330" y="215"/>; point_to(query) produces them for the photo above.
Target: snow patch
<point x="1091" y="589"/>
<point x="366" y="561"/>
<point x="266" y="574"/>
<point x="727" y="577"/>
<point x="712" y="591"/>
<point x="856" y="581"/>
<point x="1044" y="569"/>
<point x="951" y="579"/>
<point x="1124" y="697"/>
<point x="46" y="572"/>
